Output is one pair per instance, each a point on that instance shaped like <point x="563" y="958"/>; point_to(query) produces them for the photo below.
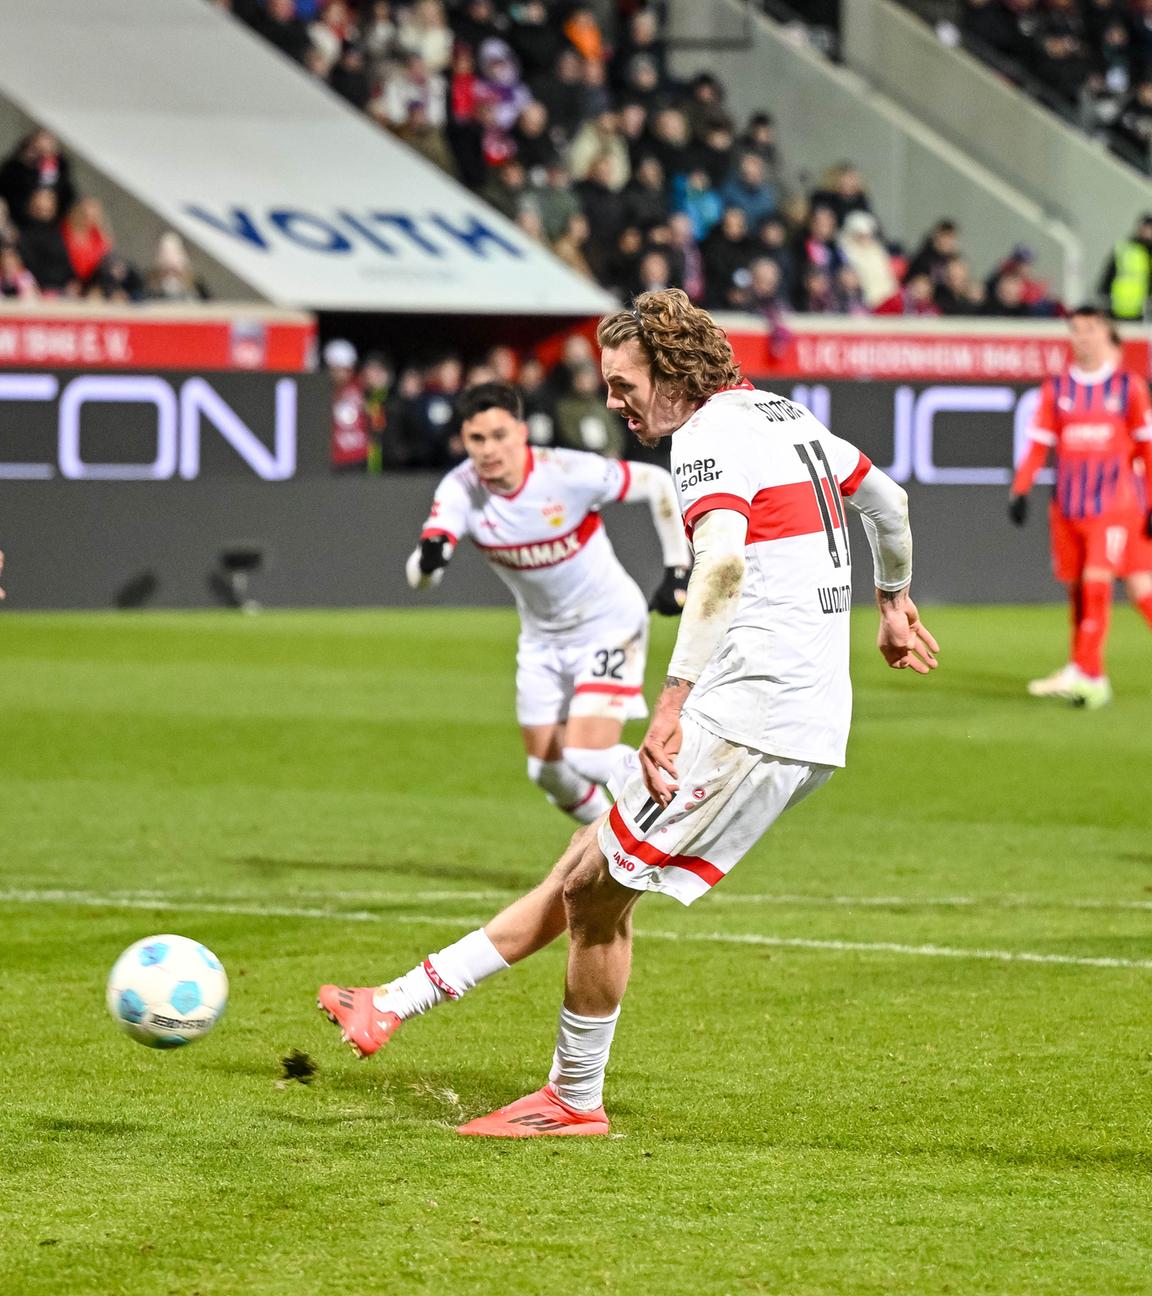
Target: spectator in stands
<point x="817" y="244"/>
<point x="862" y="249"/>
<point x="378" y="41"/>
<point x="633" y="127"/>
<point x="989" y="23"/>
<point x="682" y="241"/>
<point x="939" y="247"/>
<point x="1127" y="279"/>
<point x="535" y="40"/>
<point x="583" y="421"/>
<point x="116" y="280"/>
<point x="43" y="248"/>
<point x="539" y="403"/>
<point x="281" y="25"/>
<point x="596" y="140"/>
<point x="413" y="82"/>
<point x="915" y="297"/>
<point x="427" y="140"/>
<point x="759" y="137"/>
<point x="561" y="91"/>
<point x="597" y="98"/>
<point x="653" y="274"/>
<point x="535" y="149"/>
<point x="645" y="202"/>
<point x="816" y="294"/>
<point x="554" y="200"/>
<point x="570" y="244"/>
<point x="600" y="199"/>
<point x="1062" y="62"/>
<point x="694" y="195"/>
<point x="620" y="269"/>
<point x="577" y="350"/>
<point x="1108" y="87"/>
<point x="1135" y="125"/>
<point x="748" y="189"/>
<point x="705" y="107"/>
<point x="1035" y="292"/>
<point x="583" y="33"/>
<point x="87" y="238"/>
<point x="842" y="192"/>
<point x="770" y="238"/>
<point x="726" y="250"/>
<point x="1141" y="26"/>
<point x="1099" y="15"/>
<point x="35" y="163"/>
<point x="349" y="77"/>
<point x="1006" y="299"/>
<point x="16" y="280"/>
<point x="429" y="419"/>
<point x="848" y="293"/>
<point x="715" y="153"/>
<point x="506" y="188"/>
<point x="476" y="21"/>
<point x="640" y="38"/>
<point x="528" y="222"/>
<point x="376" y="379"/>
<point x="351" y="435"/>
<point x="669" y="141"/>
<point x="8" y="230"/>
<point x="423" y="29"/>
<point x="171" y="277"/>
<point x="500" y="83"/>
<point x="957" y="293"/>
<point x="763" y="296"/>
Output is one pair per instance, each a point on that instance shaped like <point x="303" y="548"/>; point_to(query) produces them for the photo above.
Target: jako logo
<point x="696" y="471"/>
<point x="340" y="232"/>
<point x="179" y="415"/>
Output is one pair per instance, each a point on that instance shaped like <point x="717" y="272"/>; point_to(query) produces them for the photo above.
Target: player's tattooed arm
<point x="904" y="641"/>
<point x="674" y="681"/>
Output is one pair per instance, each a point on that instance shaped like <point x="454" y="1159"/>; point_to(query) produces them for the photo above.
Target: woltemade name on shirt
<point x="835" y="598"/>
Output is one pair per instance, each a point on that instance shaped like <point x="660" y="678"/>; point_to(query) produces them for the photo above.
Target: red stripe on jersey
<point x="532" y="555"/>
<point x="851" y="483"/>
<point x="779" y="512"/>
<point x="646" y="853"/>
<point x="619" y="690"/>
<point x="433" y="533"/>
<point x="710" y="502"/>
<point x="626" y="473"/>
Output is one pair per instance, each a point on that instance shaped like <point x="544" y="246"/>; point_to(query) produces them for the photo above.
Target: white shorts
<point x="601" y="674"/>
<point x="728" y="799"/>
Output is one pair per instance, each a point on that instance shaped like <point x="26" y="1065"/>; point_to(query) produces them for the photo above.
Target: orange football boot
<point x="540" y="1113"/>
<point x="361" y="1023"/>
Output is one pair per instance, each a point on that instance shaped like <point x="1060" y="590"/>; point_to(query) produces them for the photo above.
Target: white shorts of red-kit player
<point x="584" y="621"/>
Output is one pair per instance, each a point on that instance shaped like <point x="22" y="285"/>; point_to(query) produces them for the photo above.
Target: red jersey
<point x="351" y="431"/>
<point x="1100" y="423"/>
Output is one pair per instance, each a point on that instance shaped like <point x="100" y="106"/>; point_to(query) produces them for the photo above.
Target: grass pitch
<point x="906" y="1048"/>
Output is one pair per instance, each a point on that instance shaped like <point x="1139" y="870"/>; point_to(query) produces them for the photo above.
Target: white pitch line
<point x="713" y="938"/>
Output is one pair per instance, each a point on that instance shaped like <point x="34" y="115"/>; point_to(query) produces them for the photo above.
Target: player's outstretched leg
<point x="599" y="918"/>
<point x="368" y="1016"/>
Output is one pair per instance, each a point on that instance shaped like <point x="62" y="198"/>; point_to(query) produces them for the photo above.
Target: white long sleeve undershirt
<point x="713" y="591"/>
<point x="653" y="486"/>
<point x="883" y="509"/>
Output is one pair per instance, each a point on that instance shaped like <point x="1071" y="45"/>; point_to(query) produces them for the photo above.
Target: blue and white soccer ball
<point x="167" y="990"/>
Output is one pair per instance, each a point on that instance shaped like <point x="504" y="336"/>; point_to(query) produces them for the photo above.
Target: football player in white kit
<point x="754" y="713"/>
<point x="534" y="515"/>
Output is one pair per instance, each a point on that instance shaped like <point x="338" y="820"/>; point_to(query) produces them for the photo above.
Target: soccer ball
<point x="167" y="990"/>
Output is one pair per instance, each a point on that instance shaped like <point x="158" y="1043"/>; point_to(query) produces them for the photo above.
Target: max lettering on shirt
<point x="545" y="553"/>
<point x="696" y="471"/>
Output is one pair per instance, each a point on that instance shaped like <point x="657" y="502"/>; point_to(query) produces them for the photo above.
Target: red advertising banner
<point x="136" y="338"/>
<point x="965" y="353"/>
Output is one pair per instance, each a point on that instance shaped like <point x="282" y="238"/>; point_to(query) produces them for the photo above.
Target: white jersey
<point x="545" y="540"/>
<point x="778" y="682"/>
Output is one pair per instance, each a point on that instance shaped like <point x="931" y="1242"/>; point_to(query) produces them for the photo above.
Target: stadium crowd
<point x="566" y="118"/>
<point x="1090" y="58"/>
<point x="56" y="242"/>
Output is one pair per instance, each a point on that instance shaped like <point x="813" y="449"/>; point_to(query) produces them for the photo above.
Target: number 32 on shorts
<point x="609" y="663"/>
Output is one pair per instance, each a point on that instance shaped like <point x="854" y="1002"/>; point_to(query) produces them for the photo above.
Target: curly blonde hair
<point x="690" y="355"/>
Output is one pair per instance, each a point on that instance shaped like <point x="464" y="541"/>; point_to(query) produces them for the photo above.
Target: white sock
<point x="597" y="763"/>
<point x="567" y="790"/>
<point x="447" y="975"/>
<point x="581" y="1057"/>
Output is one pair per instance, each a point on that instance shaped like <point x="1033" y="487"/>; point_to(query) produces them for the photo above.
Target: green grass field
<point x="906" y="1048"/>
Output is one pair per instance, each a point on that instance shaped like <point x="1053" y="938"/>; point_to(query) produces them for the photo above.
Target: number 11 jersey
<point x="779" y="681"/>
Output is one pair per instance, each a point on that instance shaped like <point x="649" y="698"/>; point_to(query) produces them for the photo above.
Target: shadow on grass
<point x="437" y="871"/>
<point x="77" y="1125"/>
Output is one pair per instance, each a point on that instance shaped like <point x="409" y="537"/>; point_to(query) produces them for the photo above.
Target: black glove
<point x="1018" y="509"/>
<point x="434" y="553"/>
<point x="669" y="598"/>
<point x="1148" y="525"/>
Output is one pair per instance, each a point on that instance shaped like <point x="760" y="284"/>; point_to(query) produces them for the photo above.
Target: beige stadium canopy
<point x="180" y="117"/>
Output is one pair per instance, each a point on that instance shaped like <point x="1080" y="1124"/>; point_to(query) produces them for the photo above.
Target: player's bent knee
<point x="589" y="885"/>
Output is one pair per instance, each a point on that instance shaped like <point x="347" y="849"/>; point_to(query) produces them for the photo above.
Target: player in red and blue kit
<point x="1098" y="418"/>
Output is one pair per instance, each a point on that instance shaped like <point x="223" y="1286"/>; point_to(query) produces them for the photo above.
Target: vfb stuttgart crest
<point x="554" y="514"/>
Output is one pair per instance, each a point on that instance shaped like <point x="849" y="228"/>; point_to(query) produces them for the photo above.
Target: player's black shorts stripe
<point x="818" y="449"/>
<point x="650" y="811"/>
<point x="821" y="503"/>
